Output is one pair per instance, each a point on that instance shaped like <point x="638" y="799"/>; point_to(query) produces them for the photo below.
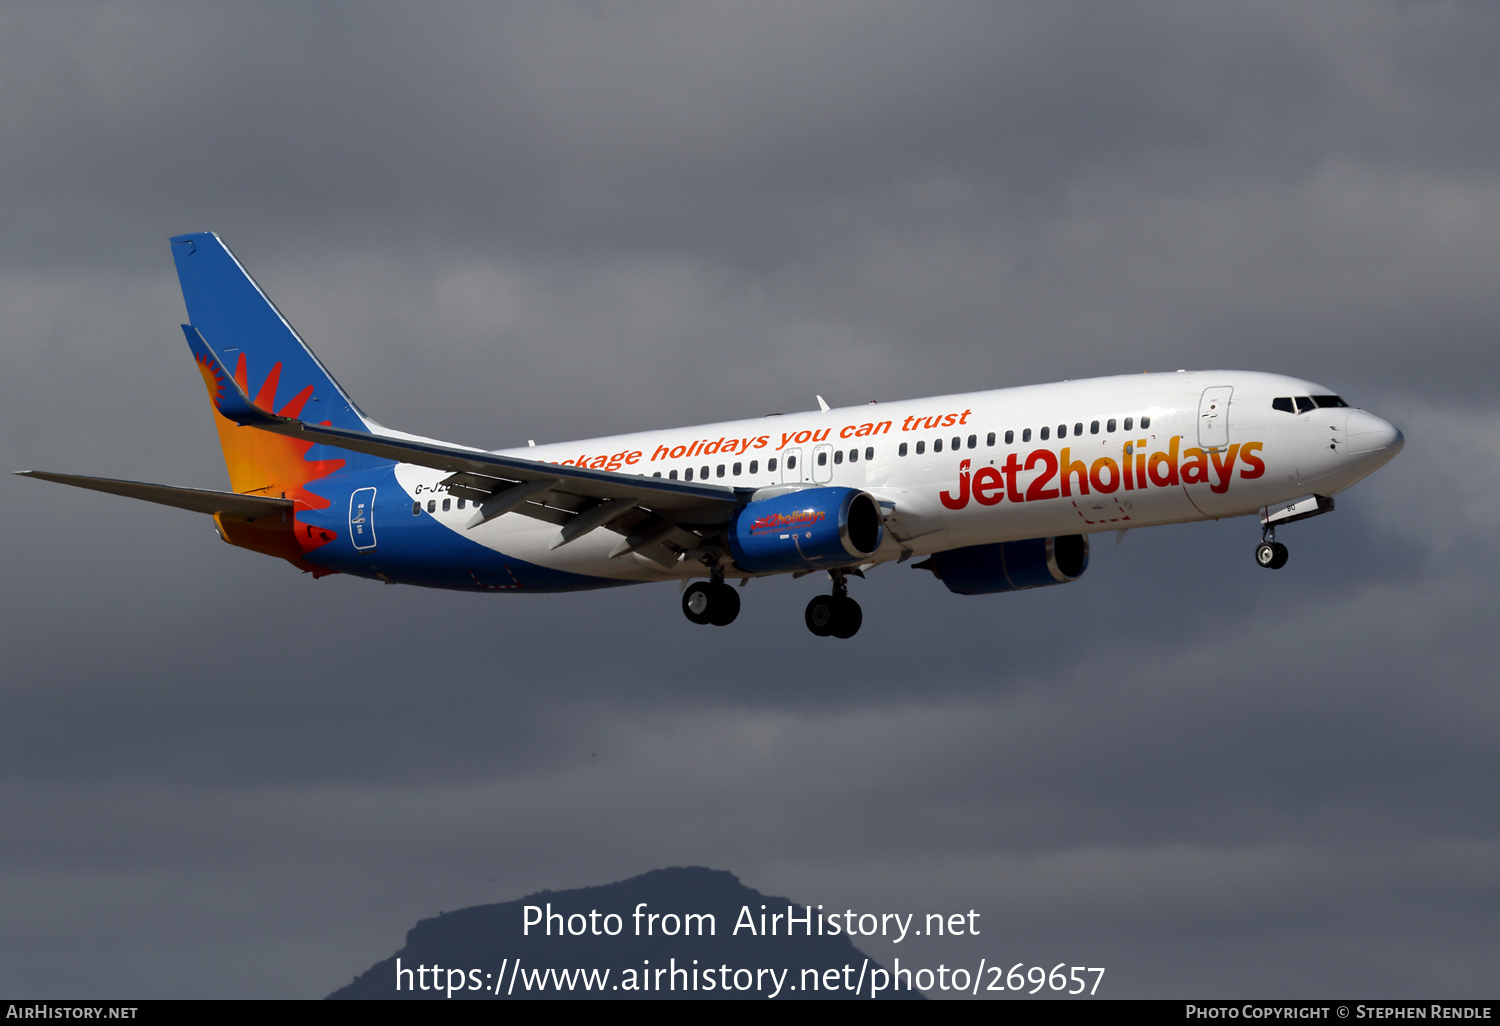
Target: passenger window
<point x="1062" y="431"/>
<point x="1110" y="426"/>
<point x="921" y="448"/>
<point x="720" y="471"/>
<point x="1145" y="423"/>
<point x="989" y="439"/>
<point x="657" y="474"/>
<point x="703" y="473"/>
<point x="1044" y="433"/>
<point x="1128" y="422"/>
<point x="687" y="475"/>
<point x="1025" y="435"/>
<point x="791" y="462"/>
<point x="1010" y="436"/>
<point x="937" y="445"/>
<point x="957" y="443"/>
<point x="1284" y="404"/>
<point x="1093" y="427"/>
<point x="447" y="505"/>
<point x="770" y="465"/>
<point x="432" y="505"/>
<point x="870" y="452"/>
<point x="838" y="457"/>
<point x="901" y="449"/>
<point x="1078" y="428"/>
<point x="461" y="503"/>
<point x="853" y="455"/>
<point x="822" y="459"/>
<point x="416" y="509"/>
<point x="755" y="466"/>
<point x="737" y="469"/>
<point x="672" y="475"/>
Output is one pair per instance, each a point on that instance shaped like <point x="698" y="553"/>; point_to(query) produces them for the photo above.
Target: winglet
<point x="229" y="398"/>
<point x="822" y="405"/>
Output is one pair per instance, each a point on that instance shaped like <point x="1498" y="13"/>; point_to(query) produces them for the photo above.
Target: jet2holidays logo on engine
<point x="777" y="521"/>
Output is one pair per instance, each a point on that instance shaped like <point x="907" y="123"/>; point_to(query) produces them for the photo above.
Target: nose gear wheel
<point x="1271" y="554"/>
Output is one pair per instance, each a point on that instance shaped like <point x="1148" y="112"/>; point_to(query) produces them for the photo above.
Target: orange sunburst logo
<point x="261" y="463"/>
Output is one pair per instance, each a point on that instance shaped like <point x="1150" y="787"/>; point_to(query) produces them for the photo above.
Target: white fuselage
<point x="980" y="467"/>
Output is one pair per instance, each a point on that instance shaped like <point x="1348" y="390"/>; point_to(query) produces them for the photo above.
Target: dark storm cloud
<point x="707" y="120"/>
<point x="552" y="222"/>
<point x="1024" y="192"/>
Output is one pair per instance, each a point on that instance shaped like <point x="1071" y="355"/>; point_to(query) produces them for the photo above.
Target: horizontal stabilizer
<point x="198" y="500"/>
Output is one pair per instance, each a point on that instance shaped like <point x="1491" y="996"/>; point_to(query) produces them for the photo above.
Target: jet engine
<point x="1011" y="566"/>
<point x="814" y="528"/>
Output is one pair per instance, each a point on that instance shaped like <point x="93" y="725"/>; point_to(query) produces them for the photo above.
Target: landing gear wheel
<point x="847" y="619"/>
<point x="698" y="603"/>
<point x="821" y="615"/>
<point x="725" y="605"/>
<point x="837" y="616"/>
<point x="712" y="602"/>
<point x="1271" y="555"/>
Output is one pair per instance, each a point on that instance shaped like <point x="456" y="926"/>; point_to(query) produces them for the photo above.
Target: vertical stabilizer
<point x="247" y="331"/>
<point x="230" y="313"/>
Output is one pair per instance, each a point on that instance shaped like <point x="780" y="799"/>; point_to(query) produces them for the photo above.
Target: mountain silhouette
<point x="486" y="952"/>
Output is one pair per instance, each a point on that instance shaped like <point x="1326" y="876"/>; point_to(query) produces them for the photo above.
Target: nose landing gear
<point x="835" y="615"/>
<point x="1270" y="553"/>
<point x="712" y="602"/>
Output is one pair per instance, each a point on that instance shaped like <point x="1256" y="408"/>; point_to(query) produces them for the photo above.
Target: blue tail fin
<point x="247" y="331"/>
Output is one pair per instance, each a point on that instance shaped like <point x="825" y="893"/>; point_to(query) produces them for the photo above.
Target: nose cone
<point x="1372" y="441"/>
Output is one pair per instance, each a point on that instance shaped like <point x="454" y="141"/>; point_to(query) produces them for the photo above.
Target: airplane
<point x="995" y="491"/>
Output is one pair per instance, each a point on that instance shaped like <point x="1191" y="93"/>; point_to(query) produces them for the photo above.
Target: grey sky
<point x="551" y="221"/>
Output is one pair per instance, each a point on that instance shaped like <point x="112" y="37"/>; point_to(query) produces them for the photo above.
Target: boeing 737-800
<point x="994" y="491"/>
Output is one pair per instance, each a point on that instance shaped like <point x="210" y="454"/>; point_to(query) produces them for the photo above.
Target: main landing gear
<point x="1270" y="553"/>
<point x="835" y="615"/>
<point x="713" y="602"/>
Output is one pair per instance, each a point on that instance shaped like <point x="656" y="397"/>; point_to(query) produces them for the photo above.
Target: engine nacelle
<point x="814" y="528"/>
<point x="1012" y="566"/>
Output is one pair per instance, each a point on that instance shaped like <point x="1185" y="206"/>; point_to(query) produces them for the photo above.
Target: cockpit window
<point x="1304" y="403"/>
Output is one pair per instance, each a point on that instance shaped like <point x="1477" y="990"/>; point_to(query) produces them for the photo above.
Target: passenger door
<point x="1213" y="417"/>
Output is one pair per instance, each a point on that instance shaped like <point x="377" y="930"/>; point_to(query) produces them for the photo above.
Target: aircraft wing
<point x="579" y="499"/>
<point x="199" y="500"/>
